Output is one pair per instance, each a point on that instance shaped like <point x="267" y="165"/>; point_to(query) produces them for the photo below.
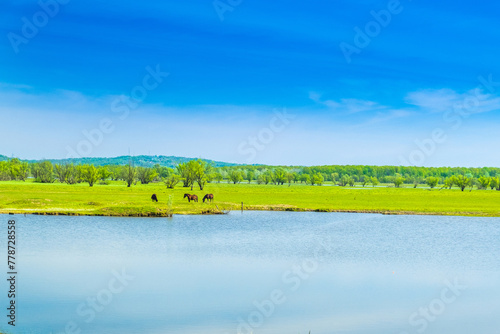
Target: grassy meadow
<point x="116" y="199"/>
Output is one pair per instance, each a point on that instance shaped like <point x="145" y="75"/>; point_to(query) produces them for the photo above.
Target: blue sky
<point x="252" y="81"/>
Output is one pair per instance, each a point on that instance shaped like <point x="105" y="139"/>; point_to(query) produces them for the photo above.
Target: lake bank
<point x="211" y="211"/>
<point x="116" y="199"/>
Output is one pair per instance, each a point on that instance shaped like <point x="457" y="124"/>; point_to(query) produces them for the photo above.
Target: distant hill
<point x="140" y="160"/>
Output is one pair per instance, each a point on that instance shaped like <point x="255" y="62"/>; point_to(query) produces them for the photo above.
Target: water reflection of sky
<point x="201" y="274"/>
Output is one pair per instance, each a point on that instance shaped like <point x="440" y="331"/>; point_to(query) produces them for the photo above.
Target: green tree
<point x="235" y="176"/>
<point x="116" y="172"/>
<point x="449" y="182"/>
<point x="90" y="174"/>
<point x="417" y="180"/>
<point x="18" y="170"/>
<point x="73" y="174"/>
<point x="104" y="174"/>
<point x="250" y="176"/>
<point x="185" y="172"/>
<point x="351" y="181"/>
<point x="162" y="171"/>
<point x="68" y="173"/>
<point x="146" y="174"/>
<point x="483" y="182"/>
<point x="279" y="176"/>
<point x="195" y="171"/>
<point x="365" y="180"/>
<point x="317" y="179"/>
<point x="4" y="171"/>
<point x="129" y="174"/>
<point x="432" y="181"/>
<point x="494" y="183"/>
<point x="61" y="172"/>
<point x="334" y="177"/>
<point x="344" y="180"/>
<point x="172" y="180"/>
<point x="267" y="176"/>
<point x="200" y="172"/>
<point x="218" y="176"/>
<point x="462" y="181"/>
<point x="13" y="168"/>
<point x="374" y="181"/>
<point x="472" y="183"/>
<point x="43" y="172"/>
<point x="398" y="180"/>
<point x="24" y="171"/>
<point x="304" y="178"/>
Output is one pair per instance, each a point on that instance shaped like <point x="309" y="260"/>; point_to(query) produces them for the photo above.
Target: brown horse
<point x="191" y="197"/>
<point x="208" y="197"/>
<point x="154" y="198"/>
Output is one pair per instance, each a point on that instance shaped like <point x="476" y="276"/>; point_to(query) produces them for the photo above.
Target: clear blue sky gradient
<point x="411" y="94"/>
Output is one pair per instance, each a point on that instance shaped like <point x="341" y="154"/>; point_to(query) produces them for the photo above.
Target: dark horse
<point x="191" y="197"/>
<point x="208" y="197"/>
<point x="154" y="198"/>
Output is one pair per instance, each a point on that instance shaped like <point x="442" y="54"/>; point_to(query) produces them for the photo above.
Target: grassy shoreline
<point x="116" y="199"/>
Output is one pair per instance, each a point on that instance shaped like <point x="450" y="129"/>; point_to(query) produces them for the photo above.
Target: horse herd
<point x="207" y="197"/>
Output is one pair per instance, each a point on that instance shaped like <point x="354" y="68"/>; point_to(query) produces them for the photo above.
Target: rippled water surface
<point x="260" y="272"/>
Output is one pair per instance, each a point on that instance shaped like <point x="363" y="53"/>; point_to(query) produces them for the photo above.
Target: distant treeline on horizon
<point x="139" y="161"/>
<point x="148" y="169"/>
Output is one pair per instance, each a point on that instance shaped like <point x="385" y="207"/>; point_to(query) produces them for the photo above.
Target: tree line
<point x="200" y="172"/>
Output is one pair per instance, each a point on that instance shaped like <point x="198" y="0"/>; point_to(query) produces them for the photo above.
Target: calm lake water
<point x="260" y="272"/>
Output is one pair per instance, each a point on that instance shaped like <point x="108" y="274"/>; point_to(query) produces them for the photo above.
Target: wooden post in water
<point x="241" y="207"/>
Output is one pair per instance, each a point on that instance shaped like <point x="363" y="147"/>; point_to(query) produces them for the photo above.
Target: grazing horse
<point x="154" y="198"/>
<point x="208" y="197"/>
<point x="191" y="197"/>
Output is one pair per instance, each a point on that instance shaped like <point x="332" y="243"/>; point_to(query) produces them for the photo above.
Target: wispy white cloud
<point x="347" y="106"/>
<point x="4" y="85"/>
<point x="78" y="104"/>
<point x="433" y="100"/>
<point x="358" y="131"/>
<point x="373" y="112"/>
<point x="441" y="100"/>
<point x="57" y="119"/>
<point x="60" y="100"/>
<point x="422" y="101"/>
<point x="388" y="115"/>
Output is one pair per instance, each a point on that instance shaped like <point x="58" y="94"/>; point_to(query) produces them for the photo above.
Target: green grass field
<point x="116" y="199"/>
